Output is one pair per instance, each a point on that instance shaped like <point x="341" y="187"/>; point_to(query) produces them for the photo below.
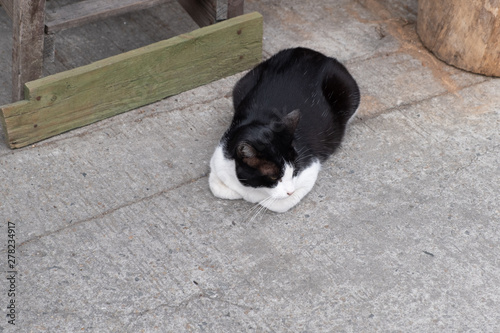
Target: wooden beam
<point x="8" y="6"/>
<point x="83" y="12"/>
<point x="75" y="98"/>
<point x="27" y="43"/>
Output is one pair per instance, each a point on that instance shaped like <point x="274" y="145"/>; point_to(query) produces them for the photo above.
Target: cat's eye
<point x="273" y="178"/>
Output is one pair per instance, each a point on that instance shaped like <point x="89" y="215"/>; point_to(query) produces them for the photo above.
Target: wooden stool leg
<point x="234" y="8"/>
<point x="206" y="12"/>
<point x="27" y="47"/>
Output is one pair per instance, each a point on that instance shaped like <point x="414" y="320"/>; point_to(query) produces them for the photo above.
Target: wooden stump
<point x="462" y="33"/>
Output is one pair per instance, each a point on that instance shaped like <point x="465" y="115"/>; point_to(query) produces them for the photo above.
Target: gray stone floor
<point x="117" y="231"/>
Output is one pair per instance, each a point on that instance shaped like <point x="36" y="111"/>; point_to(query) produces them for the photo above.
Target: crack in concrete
<point x="110" y="211"/>
<point x="460" y="169"/>
<point x="185" y="303"/>
<point x="417" y="102"/>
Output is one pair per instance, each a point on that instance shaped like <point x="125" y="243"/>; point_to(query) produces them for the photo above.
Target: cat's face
<point x="271" y="173"/>
<point x="265" y="157"/>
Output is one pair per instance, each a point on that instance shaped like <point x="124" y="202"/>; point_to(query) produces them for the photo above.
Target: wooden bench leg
<point x="234" y="8"/>
<point x="206" y="12"/>
<point x="27" y="47"/>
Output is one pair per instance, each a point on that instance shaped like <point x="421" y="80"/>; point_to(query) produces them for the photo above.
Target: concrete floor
<point x="117" y="231"/>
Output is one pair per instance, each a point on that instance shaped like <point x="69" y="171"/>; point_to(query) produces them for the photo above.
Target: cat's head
<point x="264" y="155"/>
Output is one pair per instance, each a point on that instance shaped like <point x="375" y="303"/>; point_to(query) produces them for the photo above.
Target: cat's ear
<point x="291" y="120"/>
<point x="245" y="150"/>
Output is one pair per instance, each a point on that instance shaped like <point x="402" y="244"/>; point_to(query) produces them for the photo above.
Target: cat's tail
<point x="341" y="90"/>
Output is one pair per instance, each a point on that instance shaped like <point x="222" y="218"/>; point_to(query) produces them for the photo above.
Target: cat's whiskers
<point x="269" y="202"/>
<point x="250" y="212"/>
<point x="255" y="210"/>
<point x="301" y="150"/>
<point x="303" y="154"/>
<point x="262" y="210"/>
<point x="301" y="158"/>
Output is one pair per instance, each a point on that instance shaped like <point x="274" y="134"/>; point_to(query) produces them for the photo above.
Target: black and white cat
<point x="290" y="115"/>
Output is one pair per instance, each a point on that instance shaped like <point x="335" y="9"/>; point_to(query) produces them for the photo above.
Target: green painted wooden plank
<point x="81" y="96"/>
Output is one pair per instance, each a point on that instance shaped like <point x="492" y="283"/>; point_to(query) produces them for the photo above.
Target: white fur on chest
<point x="290" y="190"/>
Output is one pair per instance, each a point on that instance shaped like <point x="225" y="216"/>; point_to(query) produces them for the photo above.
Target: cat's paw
<point x="280" y="206"/>
<point x="283" y="205"/>
<point x="220" y="190"/>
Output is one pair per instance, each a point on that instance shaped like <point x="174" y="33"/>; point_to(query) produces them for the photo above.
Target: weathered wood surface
<point x="95" y="41"/>
<point x="27" y="43"/>
<point x="87" y="11"/>
<point x="465" y="34"/>
<point x="204" y="12"/>
<point x="81" y="96"/>
<point x="235" y="8"/>
<point x="8" y="6"/>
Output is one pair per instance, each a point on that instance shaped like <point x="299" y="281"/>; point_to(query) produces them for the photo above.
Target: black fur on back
<point x="319" y="87"/>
